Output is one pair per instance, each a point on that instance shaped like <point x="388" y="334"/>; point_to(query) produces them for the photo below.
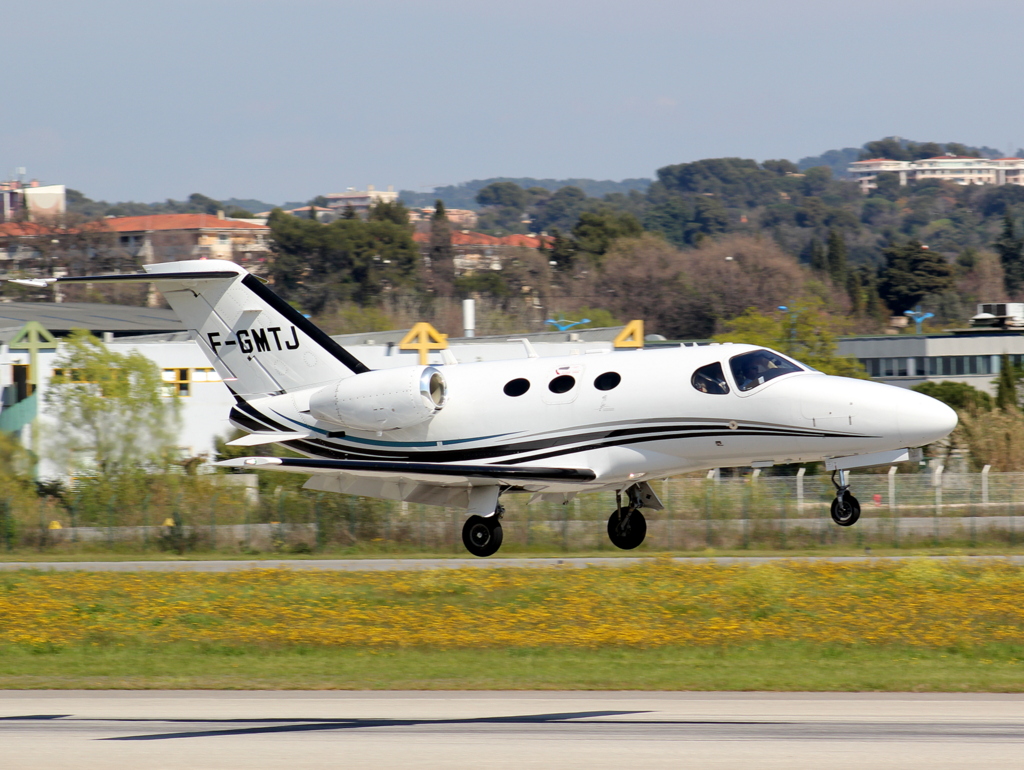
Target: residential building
<point x="31" y="201"/>
<point x="477" y="251"/>
<point x="463" y="219"/>
<point x="173" y="237"/>
<point x="360" y="200"/>
<point x="947" y="168"/>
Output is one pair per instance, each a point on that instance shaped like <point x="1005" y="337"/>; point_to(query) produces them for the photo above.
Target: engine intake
<point x="384" y="399"/>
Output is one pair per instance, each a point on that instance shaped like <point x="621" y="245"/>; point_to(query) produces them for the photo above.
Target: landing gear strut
<point x="845" y="508"/>
<point x="627" y="527"/>
<point x="482" y="535"/>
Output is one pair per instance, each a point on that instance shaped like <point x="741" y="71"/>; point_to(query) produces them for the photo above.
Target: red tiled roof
<point x="178" y="222"/>
<point x="21" y="229"/>
<point x="480" y="239"/>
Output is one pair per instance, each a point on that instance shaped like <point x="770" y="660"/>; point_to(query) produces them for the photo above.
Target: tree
<point x="817" y="256"/>
<point x="958" y="395"/>
<point x="836" y="257"/>
<point x="911" y="272"/>
<point x="201" y="203"/>
<point x="562" y="250"/>
<point x="385" y="211"/>
<point x="561" y="210"/>
<point x="504" y="195"/>
<point x="441" y="254"/>
<point x="804" y="331"/>
<point x="1011" y="255"/>
<point x="1007" y="384"/>
<point x="110" y="407"/>
<point x="319" y="265"/>
<point x="595" y="232"/>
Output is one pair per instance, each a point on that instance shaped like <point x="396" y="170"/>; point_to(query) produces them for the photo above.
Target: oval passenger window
<point x="607" y="381"/>
<point x="562" y="384"/>
<point x="516" y="387"/>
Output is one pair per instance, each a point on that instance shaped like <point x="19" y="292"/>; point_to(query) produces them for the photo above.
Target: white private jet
<point x="463" y="435"/>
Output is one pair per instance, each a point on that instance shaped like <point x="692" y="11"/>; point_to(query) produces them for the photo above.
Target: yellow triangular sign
<point x="168" y="522"/>
<point x="55" y="525"/>
<point x="631" y="336"/>
<point x="424" y="338"/>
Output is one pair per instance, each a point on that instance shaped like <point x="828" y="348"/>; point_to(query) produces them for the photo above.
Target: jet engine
<point x="384" y="399"/>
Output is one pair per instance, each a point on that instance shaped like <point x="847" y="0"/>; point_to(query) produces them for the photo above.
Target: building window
<point x="176" y="382"/>
<point x="205" y="375"/>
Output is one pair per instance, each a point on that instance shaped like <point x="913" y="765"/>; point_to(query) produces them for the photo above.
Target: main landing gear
<point x="627" y="527"/>
<point x="482" y="534"/>
<point x="845" y="508"/>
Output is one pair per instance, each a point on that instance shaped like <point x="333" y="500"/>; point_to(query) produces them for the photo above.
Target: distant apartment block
<point x="464" y="219"/>
<point x="31" y="201"/>
<point x="948" y="168"/>
<point x="360" y="200"/>
<point x="174" y="237"/>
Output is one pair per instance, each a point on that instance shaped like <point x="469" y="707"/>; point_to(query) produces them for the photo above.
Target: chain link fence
<point x="207" y="513"/>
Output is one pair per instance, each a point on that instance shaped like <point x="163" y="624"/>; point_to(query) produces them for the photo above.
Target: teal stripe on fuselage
<point x="358" y="440"/>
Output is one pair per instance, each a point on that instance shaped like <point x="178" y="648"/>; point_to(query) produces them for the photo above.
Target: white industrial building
<point x="947" y="168"/>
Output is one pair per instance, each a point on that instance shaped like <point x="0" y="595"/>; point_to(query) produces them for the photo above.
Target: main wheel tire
<point x="845" y="513"/>
<point x="482" y="536"/>
<point x="627" y="532"/>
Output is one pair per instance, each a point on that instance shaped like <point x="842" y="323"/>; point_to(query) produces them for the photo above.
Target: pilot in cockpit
<point x="754" y="368"/>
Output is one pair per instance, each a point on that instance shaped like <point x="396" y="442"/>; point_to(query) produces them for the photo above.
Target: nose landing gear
<point x="845" y="508"/>
<point x="627" y="527"/>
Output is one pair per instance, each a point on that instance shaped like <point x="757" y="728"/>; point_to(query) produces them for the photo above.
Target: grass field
<point x="915" y="625"/>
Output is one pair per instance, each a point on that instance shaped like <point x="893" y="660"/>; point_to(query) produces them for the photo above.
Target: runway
<point x="299" y="730"/>
<point x="398" y="565"/>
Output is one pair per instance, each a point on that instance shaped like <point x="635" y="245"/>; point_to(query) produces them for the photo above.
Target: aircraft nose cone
<point x="923" y="419"/>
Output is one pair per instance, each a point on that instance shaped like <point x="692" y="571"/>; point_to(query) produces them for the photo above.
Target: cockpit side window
<point x="710" y="379"/>
<point x="757" y="367"/>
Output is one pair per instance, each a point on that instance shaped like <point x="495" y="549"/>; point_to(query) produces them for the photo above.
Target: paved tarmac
<point x="392" y="565"/>
<point x="298" y="730"/>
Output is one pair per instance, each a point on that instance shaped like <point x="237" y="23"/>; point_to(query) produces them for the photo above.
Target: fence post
<point x="669" y="534"/>
<point x="937" y="483"/>
<point x="748" y="493"/>
<point x="213" y="521"/>
<point x="318" y="520"/>
<point x="1013" y="512"/>
<point x="709" y="491"/>
<point x="892" y="507"/>
<point x="576" y="512"/>
<point x="6" y="528"/>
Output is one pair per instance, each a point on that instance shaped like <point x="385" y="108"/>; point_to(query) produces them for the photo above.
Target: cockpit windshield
<point x="757" y="367"/>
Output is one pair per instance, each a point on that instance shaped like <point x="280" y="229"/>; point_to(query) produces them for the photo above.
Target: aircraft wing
<point x="437" y="471"/>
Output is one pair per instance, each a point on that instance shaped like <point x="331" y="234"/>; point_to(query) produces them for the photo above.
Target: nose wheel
<point x="845" y="508"/>
<point x="627" y="527"/>
<point x="482" y="535"/>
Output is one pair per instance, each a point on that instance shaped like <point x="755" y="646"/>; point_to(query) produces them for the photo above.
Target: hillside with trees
<point x="699" y="246"/>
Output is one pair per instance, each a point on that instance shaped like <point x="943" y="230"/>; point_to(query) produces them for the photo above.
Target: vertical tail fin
<point x="256" y="341"/>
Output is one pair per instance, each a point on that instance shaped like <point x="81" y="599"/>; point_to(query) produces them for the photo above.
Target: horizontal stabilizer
<point x="206" y="275"/>
<point x="496" y="472"/>
<point x="266" y="437"/>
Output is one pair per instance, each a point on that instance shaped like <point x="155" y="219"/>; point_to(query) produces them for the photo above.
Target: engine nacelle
<point x="384" y="399"/>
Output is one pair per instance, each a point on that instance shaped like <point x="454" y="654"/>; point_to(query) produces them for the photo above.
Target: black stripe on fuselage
<point x="245" y="421"/>
<point x="528" y="451"/>
<point x="299" y="321"/>
<point x="252" y="411"/>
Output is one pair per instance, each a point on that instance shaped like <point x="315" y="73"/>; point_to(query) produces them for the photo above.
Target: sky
<point x="284" y="101"/>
